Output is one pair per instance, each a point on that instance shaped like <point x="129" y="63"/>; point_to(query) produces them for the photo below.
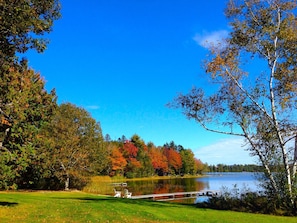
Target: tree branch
<point x="246" y="93"/>
<point x="217" y="131"/>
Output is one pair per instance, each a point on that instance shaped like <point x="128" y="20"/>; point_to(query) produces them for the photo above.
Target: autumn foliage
<point x="118" y="162"/>
<point x="159" y="161"/>
<point x="133" y="158"/>
<point x="174" y="159"/>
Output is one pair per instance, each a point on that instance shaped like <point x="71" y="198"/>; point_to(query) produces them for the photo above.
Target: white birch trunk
<point x="294" y="169"/>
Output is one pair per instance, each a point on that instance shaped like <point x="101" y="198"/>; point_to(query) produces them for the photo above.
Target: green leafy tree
<point x="257" y="104"/>
<point x="75" y="146"/>
<point x="25" y="107"/>
<point x="22" y="23"/>
<point x="146" y="168"/>
<point x="188" y="161"/>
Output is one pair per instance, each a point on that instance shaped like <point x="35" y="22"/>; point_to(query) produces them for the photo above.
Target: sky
<point x="124" y="60"/>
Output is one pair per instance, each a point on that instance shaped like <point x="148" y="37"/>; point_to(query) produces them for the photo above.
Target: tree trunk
<point x="67" y="177"/>
<point x="67" y="180"/>
<point x="295" y="160"/>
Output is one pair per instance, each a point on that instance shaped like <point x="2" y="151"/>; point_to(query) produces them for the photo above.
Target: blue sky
<point x="124" y="60"/>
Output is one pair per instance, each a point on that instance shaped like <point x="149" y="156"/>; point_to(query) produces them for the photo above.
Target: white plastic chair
<point x="117" y="193"/>
<point x="127" y="194"/>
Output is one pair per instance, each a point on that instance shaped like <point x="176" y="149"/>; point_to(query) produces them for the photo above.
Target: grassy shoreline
<point x="77" y="206"/>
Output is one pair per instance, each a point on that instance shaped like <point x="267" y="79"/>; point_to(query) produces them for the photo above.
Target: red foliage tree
<point x="130" y="152"/>
<point x="159" y="161"/>
<point x="174" y="160"/>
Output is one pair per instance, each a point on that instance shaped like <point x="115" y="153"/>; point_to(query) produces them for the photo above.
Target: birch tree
<point x="255" y="89"/>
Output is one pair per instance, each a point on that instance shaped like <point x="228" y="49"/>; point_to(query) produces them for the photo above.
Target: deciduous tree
<point x="118" y="162"/>
<point x="199" y="166"/>
<point x="257" y="104"/>
<point x="159" y="160"/>
<point x="75" y="148"/>
<point x="130" y="152"/>
<point x="25" y="107"/>
<point x="174" y="160"/>
<point x="188" y="161"/>
<point x="22" y="23"/>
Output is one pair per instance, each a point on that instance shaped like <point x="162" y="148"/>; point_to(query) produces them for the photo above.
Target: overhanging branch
<point x="217" y="131"/>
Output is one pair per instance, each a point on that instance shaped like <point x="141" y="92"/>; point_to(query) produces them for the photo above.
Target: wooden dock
<point x="178" y="195"/>
<point x="119" y="184"/>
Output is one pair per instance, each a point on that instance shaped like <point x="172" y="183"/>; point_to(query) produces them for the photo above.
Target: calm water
<point x="211" y="181"/>
<point x="216" y="181"/>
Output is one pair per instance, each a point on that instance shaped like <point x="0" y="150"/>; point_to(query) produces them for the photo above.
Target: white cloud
<point x="92" y="107"/>
<point x="225" y="151"/>
<point x="207" y="40"/>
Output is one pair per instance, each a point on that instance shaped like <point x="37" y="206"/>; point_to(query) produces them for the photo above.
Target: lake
<point x="242" y="180"/>
<point x="211" y="181"/>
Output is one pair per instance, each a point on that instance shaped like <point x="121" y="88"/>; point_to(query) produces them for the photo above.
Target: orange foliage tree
<point x="118" y="162"/>
<point x="174" y="160"/>
<point x="199" y="166"/>
<point x="159" y="161"/>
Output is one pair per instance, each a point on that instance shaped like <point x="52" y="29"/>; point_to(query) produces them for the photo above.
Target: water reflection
<point x="214" y="181"/>
<point x="166" y="186"/>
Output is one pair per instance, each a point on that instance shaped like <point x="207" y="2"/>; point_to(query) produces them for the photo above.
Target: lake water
<point x="243" y="180"/>
<point x="211" y="181"/>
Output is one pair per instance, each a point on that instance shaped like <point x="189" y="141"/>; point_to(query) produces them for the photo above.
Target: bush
<point x="246" y="201"/>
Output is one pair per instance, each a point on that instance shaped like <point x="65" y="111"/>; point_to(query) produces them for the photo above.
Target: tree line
<point x="134" y="158"/>
<point x="234" y="168"/>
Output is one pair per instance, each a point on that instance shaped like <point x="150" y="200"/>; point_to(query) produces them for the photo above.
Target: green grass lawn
<point x="82" y="207"/>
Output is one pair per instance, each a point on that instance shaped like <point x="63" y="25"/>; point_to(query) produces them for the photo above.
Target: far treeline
<point x="234" y="168"/>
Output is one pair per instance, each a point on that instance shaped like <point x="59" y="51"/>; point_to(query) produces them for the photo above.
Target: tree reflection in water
<point x="161" y="186"/>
